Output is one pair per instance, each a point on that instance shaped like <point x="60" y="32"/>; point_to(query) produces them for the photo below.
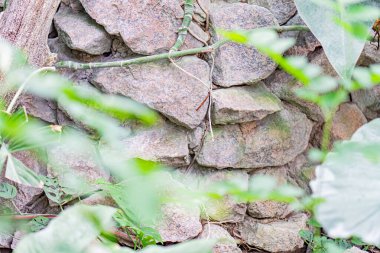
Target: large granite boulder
<point x="237" y="64"/>
<point x="273" y="141"/>
<point x="162" y="86"/>
<point x="146" y="26"/>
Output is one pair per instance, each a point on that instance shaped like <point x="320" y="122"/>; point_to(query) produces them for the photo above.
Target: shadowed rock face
<point x="162" y="86"/>
<point x="273" y="141"/>
<point x="146" y="26"/>
<point x="283" y="10"/>
<point x="237" y="64"/>
<point x="81" y="33"/>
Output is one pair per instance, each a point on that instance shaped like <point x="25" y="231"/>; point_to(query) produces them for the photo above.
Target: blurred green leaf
<point x="17" y="172"/>
<point x="346" y="180"/>
<point x="342" y="49"/>
<point x="72" y="232"/>
<point x="7" y="191"/>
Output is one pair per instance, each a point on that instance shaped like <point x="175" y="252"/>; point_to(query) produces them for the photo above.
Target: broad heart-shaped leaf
<point x="7" y="191"/>
<point x="19" y="173"/>
<point x="341" y="48"/>
<point x="349" y="182"/>
<point x="72" y="232"/>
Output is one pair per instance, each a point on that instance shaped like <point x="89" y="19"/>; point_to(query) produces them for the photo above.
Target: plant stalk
<point x="172" y="54"/>
<point x="182" y="31"/>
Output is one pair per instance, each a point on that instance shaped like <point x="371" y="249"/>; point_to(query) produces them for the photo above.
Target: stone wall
<point x="259" y="126"/>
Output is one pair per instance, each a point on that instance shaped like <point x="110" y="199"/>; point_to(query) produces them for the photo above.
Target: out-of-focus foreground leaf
<point x="348" y="181"/>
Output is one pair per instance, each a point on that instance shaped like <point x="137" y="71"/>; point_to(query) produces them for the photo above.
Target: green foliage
<point x="346" y="180"/>
<point x="38" y="223"/>
<point x="74" y="230"/>
<point x="7" y="191"/>
<point x="342" y="27"/>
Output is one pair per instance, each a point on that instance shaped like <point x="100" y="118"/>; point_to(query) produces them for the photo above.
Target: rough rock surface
<point x="163" y="142"/>
<point x="368" y="101"/>
<point x="30" y="199"/>
<point x="268" y="209"/>
<point x="283" y="10"/>
<point x="347" y="120"/>
<point x="226" y="209"/>
<point x="69" y="160"/>
<point x="243" y="104"/>
<point x="81" y="33"/>
<point x="38" y="107"/>
<point x="162" y="86"/>
<point x="146" y="26"/>
<point x="283" y="86"/>
<point x="370" y="55"/>
<point x="237" y="64"/>
<point x="305" y="41"/>
<point x="225" y="242"/>
<point x="179" y="223"/>
<point x="277" y="236"/>
<point x="273" y="141"/>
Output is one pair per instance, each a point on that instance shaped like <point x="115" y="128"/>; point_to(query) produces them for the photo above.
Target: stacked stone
<point x="259" y="125"/>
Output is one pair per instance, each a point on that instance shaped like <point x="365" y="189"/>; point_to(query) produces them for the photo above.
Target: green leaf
<point x="341" y="48"/>
<point x="348" y="181"/>
<point x="38" y="223"/>
<point x="194" y="246"/>
<point x="7" y="191"/>
<point x="19" y="173"/>
<point x="72" y="232"/>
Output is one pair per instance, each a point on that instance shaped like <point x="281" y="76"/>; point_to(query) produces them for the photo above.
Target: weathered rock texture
<point x="162" y="86"/>
<point x="243" y="104"/>
<point x="237" y="64"/>
<point x="87" y="36"/>
<point x="259" y="125"/>
<point x="146" y="26"/>
<point x="273" y="141"/>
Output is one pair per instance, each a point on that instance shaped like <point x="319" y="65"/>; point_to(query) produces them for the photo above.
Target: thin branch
<point x="182" y="31"/>
<point x="152" y="58"/>
<point x="23" y="86"/>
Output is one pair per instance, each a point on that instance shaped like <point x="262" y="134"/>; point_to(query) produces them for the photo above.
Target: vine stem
<point x="182" y="31"/>
<point x="23" y="86"/>
<point x="174" y="54"/>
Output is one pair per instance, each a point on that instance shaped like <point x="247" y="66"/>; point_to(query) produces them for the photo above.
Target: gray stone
<point x="162" y="86"/>
<point x="225" y="242"/>
<point x="277" y="236"/>
<point x="75" y="163"/>
<point x="268" y="209"/>
<point x="370" y="55"/>
<point x="179" y="223"/>
<point x="347" y="120"/>
<point x="243" y="104"/>
<point x="38" y="107"/>
<point x="146" y="26"/>
<point x="163" y="142"/>
<point x="368" y="101"/>
<point x="226" y="209"/>
<point x="283" y="10"/>
<point x="306" y="42"/>
<point x="5" y="240"/>
<point x="237" y="64"/>
<point x="30" y="199"/>
<point x="284" y="86"/>
<point x="273" y="141"/>
<point x="81" y="33"/>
